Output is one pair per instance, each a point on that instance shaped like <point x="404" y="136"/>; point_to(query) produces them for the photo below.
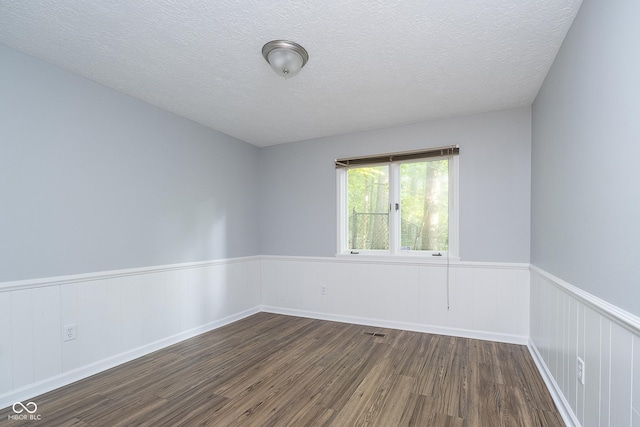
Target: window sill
<point x="400" y="258"/>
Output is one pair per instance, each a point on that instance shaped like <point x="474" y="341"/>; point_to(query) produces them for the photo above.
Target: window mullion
<point x="342" y="215"/>
<point x="394" y="208"/>
<point x="454" y="224"/>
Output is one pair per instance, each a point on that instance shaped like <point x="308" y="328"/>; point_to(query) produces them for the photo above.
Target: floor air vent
<point x="374" y="334"/>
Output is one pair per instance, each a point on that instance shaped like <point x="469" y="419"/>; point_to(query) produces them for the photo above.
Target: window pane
<point x="424" y="198"/>
<point x="368" y="207"/>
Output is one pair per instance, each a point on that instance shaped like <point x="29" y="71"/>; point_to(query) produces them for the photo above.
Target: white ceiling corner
<point x="372" y="64"/>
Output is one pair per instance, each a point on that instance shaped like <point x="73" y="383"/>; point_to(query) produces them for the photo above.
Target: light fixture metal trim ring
<point x="285" y="44"/>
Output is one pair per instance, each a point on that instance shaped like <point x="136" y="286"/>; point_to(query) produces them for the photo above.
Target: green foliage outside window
<point x="424" y="201"/>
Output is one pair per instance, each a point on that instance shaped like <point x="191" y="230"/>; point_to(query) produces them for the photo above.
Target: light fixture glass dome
<point x="285" y="57"/>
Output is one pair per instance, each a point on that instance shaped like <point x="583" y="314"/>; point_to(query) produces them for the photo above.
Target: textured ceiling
<point x="373" y="64"/>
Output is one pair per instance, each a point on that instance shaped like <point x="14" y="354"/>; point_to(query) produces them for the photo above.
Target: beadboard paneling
<point x="487" y="301"/>
<point x="567" y="323"/>
<point x="6" y="356"/>
<point x="119" y="316"/>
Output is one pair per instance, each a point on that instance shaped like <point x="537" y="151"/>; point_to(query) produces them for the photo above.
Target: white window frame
<point x="394" y="251"/>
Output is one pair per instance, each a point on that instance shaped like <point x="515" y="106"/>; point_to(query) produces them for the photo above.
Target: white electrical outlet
<point x="69" y="332"/>
<point x="323" y="290"/>
<point x="581" y="371"/>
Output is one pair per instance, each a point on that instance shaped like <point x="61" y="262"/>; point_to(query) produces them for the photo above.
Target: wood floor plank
<point x="274" y="370"/>
<point x="283" y="399"/>
<point x="74" y="422"/>
<point x="175" y="412"/>
<point x="396" y="402"/>
<point x="445" y="420"/>
<point x="73" y="406"/>
<point x="437" y="367"/>
<point x="373" y="410"/>
<point x="403" y="348"/>
<point x="419" y="411"/>
<point x="548" y="418"/>
<point x="418" y="355"/>
<point x="537" y="394"/>
<point x="298" y="351"/>
<point x="479" y="351"/>
<point x="312" y="416"/>
<point x="497" y="365"/>
<point x="483" y="399"/>
<point x="366" y="396"/>
<point x="452" y="397"/>
<point x="293" y="403"/>
<point x="347" y="374"/>
<point x="428" y="371"/>
<point x="126" y="411"/>
<point x="516" y="410"/>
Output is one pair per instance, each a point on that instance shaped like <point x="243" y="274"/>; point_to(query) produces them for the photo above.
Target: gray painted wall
<point x="585" y="156"/>
<point x="93" y="180"/>
<point x="298" y="184"/>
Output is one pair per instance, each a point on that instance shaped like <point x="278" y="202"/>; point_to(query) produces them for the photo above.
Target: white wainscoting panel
<point x="120" y="315"/>
<point x="486" y="300"/>
<point x="567" y="323"/>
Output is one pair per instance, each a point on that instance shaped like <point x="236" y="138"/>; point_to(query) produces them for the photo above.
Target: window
<point x="398" y="204"/>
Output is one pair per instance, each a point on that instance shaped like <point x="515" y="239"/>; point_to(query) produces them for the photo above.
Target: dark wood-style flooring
<point x="274" y="370"/>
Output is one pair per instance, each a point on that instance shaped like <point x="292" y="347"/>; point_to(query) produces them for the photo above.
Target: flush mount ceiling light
<point x="285" y="57"/>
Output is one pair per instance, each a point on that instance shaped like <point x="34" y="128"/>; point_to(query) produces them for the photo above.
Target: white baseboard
<point x="464" y="333"/>
<point x="70" y="377"/>
<point x="556" y="394"/>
